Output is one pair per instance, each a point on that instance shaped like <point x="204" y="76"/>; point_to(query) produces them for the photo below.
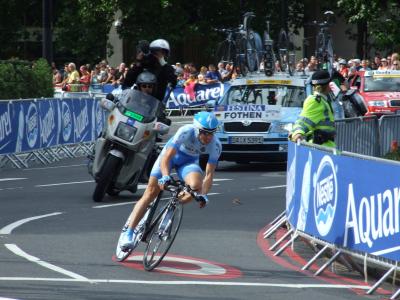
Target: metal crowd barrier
<point x="358" y="135"/>
<point x="46" y="156"/>
<point x="368" y="135"/>
<point x="389" y="130"/>
<point x="336" y="252"/>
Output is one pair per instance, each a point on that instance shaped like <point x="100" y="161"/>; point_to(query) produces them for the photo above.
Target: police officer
<point x="316" y="122"/>
<point x="152" y="57"/>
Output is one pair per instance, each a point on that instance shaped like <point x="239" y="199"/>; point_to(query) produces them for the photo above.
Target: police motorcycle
<point x="127" y="142"/>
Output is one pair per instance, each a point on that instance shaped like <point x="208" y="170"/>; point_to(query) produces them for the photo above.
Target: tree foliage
<point x="80" y="27"/>
<point x="22" y="79"/>
<point x="381" y="19"/>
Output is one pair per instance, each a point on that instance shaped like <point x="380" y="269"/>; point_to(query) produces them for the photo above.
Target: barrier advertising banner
<point x="27" y="125"/>
<point x="344" y="200"/>
<point x="203" y="93"/>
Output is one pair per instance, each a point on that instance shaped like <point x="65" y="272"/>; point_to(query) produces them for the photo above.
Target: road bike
<point x="242" y="47"/>
<point x="268" y="53"/>
<point x="159" y="226"/>
<point x="287" y="57"/>
<point x="324" y="45"/>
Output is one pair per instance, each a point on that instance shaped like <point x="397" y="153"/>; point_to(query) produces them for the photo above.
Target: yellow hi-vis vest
<point x="317" y="114"/>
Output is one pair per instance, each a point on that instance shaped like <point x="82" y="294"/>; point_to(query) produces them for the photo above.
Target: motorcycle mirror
<point x="110" y="96"/>
<point x="161" y="128"/>
<point x="107" y="104"/>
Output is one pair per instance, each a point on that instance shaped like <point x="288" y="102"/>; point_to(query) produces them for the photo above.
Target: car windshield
<point x="382" y="84"/>
<point x="287" y="96"/>
<point x="140" y="103"/>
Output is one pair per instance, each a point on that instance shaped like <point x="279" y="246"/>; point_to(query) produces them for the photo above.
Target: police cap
<point x="320" y="77"/>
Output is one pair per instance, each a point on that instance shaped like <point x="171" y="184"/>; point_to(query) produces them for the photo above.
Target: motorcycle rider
<point x="147" y="83"/>
<point x="181" y="152"/>
<point x="152" y="57"/>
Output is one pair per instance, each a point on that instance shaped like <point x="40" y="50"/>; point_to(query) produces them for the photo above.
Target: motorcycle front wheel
<point x="106" y="176"/>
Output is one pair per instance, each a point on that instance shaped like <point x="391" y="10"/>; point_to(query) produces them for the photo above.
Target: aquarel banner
<point x="27" y="125"/>
<point x="203" y="93"/>
<point x="345" y="200"/>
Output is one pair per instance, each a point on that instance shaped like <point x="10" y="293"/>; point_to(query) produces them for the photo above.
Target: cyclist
<point x="181" y="152"/>
<point x="316" y="122"/>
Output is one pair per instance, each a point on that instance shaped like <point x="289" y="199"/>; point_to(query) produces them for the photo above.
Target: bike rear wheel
<point x="120" y="254"/>
<point x="162" y="236"/>
<point x="241" y="60"/>
<point x="226" y="52"/>
<point x="252" y="60"/>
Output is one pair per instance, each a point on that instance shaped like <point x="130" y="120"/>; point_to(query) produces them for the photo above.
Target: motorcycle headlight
<point x="281" y="127"/>
<point x="125" y="132"/>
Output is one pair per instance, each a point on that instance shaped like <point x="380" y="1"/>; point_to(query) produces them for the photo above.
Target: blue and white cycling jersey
<point x="188" y="148"/>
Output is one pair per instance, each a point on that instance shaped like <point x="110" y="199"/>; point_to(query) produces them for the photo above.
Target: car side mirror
<point x="161" y="128"/>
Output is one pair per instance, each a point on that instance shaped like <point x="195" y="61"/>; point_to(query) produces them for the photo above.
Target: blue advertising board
<point x="345" y="200"/>
<point x="28" y="125"/>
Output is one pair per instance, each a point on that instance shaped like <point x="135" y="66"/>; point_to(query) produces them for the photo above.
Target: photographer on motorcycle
<point x="152" y="57"/>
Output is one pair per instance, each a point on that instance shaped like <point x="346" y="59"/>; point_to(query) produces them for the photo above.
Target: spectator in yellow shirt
<point x="73" y="76"/>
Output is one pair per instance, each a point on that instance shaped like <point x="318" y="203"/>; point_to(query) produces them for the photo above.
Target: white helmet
<point x="160" y="44"/>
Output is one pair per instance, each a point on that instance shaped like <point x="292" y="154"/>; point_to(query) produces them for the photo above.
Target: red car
<point x="375" y="93"/>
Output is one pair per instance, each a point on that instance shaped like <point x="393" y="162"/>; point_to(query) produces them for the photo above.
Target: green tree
<point x="81" y="28"/>
<point x="379" y="19"/>
<point x="190" y="25"/>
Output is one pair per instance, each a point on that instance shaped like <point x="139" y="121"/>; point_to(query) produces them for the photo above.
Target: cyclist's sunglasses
<point x="146" y="86"/>
<point x="205" y="132"/>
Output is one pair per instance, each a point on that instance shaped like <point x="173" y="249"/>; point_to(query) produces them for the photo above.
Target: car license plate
<point x="246" y="140"/>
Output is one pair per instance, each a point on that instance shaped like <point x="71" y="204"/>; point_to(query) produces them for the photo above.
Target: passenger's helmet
<point x="146" y="77"/>
<point x="320" y="77"/>
<point x="160" y="44"/>
<point x="205" y="121"/>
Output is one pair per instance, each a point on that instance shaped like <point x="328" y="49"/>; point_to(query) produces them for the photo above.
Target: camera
<point x="143" y="46"/>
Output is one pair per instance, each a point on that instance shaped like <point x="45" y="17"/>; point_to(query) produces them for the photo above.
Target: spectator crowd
<point x="188" y="75"/>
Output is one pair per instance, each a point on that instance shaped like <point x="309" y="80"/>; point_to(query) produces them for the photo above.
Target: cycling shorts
<point x="183" y="164"/>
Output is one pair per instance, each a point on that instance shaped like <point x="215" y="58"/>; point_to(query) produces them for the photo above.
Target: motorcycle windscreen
<point x="139" y="106"/>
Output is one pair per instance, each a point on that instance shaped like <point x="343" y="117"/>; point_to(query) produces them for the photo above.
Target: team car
<point x="373" y="93"/>
<point x="256" y="115"/>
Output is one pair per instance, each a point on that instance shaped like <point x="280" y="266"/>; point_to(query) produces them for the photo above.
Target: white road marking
<point x="12" y="188"/>
<point x="9" y="228"/>
<point x="222" y="179"/>
<point x="205" y="283"/>
<point x="63" y="183"/>
<point x="56" y="167"/>
<point x="204" y="268"/>
<point x="271" y="187"/>
<point x="116" y="204"/>
<point x="11" y="179"/>
<point x="14" y="248"/>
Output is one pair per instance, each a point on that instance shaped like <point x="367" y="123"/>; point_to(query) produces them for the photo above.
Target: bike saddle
<point x="249" y="14"/>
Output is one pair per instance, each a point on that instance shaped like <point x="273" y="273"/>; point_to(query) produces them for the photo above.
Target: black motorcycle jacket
<point x="165" y="75"/>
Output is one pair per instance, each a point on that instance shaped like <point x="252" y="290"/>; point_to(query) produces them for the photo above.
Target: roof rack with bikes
<point x="245" y="49"/>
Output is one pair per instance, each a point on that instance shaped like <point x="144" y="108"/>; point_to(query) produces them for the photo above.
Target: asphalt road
<point x="56" y="243"/>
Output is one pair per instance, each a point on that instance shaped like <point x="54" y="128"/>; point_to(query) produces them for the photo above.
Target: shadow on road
<point x="251" y="167"/>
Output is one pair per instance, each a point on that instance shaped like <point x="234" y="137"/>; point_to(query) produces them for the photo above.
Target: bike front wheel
<point x="162" y="236"/>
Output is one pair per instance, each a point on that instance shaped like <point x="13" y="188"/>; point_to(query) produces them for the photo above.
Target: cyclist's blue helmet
<point x="206" y="121"/>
